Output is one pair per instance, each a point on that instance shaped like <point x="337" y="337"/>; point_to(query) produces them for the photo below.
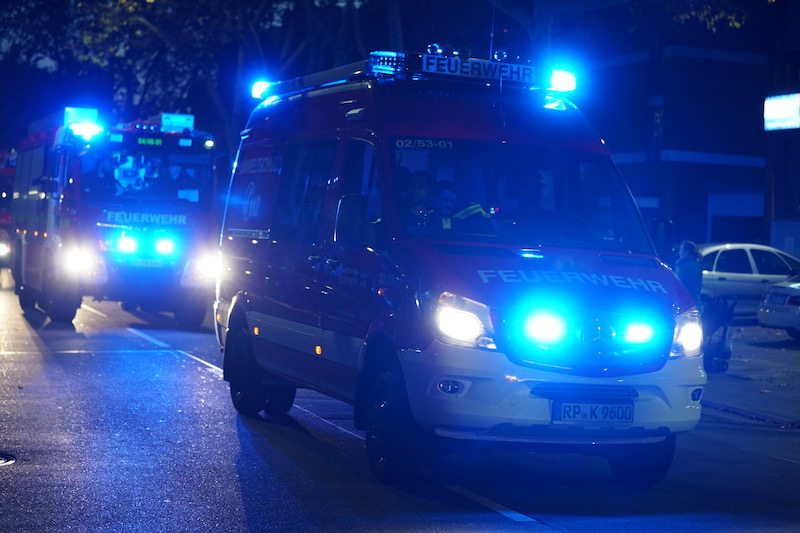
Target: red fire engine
<point x="123" y="213"/>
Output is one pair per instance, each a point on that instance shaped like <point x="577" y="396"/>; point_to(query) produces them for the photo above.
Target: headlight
<point x="464" y="321"/>
<point x="205" y="267"/>
<point x="78" y="261"/>
<point x="688" y="337"/>
<point x="5" y="249"/>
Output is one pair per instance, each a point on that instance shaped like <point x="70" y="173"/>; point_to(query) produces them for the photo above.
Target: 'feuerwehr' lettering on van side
<point x="586" y="278"/>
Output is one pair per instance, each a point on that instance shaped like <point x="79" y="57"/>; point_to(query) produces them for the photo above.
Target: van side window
<point x="360" y="177"/>
<point x="302" y="192"/>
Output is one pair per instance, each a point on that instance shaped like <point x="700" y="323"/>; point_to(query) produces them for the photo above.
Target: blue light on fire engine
<point x="129" y="244"/>
<point x="563" y="81"/>
<point x="86" y="130"/>
<point x="545" y="327"/>
<point x="551" y="328"/>
<point x="259" y="88"/>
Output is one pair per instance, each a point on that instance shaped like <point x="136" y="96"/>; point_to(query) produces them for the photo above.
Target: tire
<point x="395" y="456"/>
<point x="27" y="297"/>
<point x="280" y="399"/>
<point x="61" y="302"/>
<point x="191" y="310"/>
<point x="642" y="465"/>
<point x="247" y="394"/>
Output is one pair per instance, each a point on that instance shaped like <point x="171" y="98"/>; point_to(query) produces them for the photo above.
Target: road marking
<point x="494" y="506"/>
<point x="148" y="338"/>
<point x="217" y="371"/>
<point x="769" y="455"/>
<point x="340" y="428"/>
<point x="486" y="502"/>
<point x="93" y="310"/>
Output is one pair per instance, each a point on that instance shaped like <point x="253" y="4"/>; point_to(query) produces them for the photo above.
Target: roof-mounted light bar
<point x="438" y="65"/>
<point x="402" y="65"/>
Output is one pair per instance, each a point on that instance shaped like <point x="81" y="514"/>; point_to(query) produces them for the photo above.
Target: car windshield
<point x="128" y="176"/>
<point x="513" y="194"/>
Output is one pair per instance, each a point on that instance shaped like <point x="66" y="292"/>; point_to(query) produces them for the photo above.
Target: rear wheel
<point x="642" y="464"/>
<point x="395" y="454"/>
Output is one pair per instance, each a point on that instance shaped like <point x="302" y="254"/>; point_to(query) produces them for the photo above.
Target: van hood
<point x="597" y="295"/>
<point x="494" y="275"/>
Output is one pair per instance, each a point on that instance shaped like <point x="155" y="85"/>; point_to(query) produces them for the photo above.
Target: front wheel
<point x="27" y="297"/>
<point x="393" y="453"/>
<point x="191" y="310"/>
<point x="642" y="465"/>
<point x="61" y="301"/>
<point x="247" y="395"/>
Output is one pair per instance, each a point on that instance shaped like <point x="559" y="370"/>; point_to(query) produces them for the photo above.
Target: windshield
<point x="177" y="179"/>
<point x="514" y="194"/>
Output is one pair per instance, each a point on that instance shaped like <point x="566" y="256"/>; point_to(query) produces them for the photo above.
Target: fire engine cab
<point x="123" y="213"/>
<point x="449" y="247"/>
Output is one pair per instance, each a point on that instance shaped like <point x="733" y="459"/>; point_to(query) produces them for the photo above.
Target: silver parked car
<point x="743" y="271"/>
<point x="780" y="307"/>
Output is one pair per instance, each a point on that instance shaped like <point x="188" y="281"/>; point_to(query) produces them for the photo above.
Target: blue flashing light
<point x="86" y="130"/>
<point x="165" y="246"/>
<point x="127" y="244"/>
<point x="563" y="81"/>
<point x="638" y="333"/>
<point x="259" y="88"/>
<point x="545" y="328"/>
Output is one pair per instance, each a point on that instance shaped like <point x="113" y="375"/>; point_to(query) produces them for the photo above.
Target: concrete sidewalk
<point x="763" y="378"/>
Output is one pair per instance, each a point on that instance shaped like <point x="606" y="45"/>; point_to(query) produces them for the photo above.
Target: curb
<point x="783" y="422"/>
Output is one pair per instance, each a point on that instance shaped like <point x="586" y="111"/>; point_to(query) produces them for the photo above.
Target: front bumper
<point x="467" y="394"/>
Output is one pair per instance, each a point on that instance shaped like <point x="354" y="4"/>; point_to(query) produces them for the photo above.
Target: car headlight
<point x="463" y="321"/>
<point x="687" y="340"/>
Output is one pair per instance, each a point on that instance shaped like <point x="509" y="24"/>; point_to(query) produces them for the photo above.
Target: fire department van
<point x="451" y="250"/>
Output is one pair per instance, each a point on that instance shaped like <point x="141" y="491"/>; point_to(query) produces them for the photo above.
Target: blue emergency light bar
<point x="415" y="66"/>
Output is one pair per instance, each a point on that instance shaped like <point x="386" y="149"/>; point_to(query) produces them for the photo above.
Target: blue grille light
<point x="165" y="246"/>
<point x="127" y="244"/>
<point x="546" y="327"/>
<point x="638" y="333"/>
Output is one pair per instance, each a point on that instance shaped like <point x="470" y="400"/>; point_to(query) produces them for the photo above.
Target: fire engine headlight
<point x="203" y="268"/>
<point x="5" y="249"/>
<point x="688" y="337"/>
<point x="464" y="321"/>
<point x="78" y="261"/>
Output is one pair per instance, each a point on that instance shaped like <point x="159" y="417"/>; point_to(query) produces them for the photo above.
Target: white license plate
<point x="607" y="413"/>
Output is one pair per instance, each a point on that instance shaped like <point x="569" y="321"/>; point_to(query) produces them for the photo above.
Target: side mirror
<point x="350" y="215"/>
